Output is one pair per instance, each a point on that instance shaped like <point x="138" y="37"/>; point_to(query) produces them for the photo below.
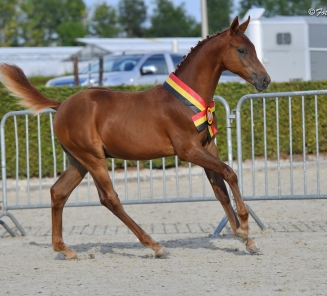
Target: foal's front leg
<point x="221" y="194"/>
<point x="216" y="171"/>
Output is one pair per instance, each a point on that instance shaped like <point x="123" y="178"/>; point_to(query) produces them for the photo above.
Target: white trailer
<point x="290" y="47"/>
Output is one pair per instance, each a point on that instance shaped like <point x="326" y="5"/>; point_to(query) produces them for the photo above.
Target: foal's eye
<point x="240" y="50"/>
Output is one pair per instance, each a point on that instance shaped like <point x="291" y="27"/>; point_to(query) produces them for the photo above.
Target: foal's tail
<point x="14" y="79"/>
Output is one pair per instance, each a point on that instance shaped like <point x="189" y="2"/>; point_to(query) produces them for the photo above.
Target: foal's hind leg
<point x="109" y="198"/>
<point x="60" y="192"/>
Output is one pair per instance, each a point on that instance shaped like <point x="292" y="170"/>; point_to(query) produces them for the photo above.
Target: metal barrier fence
<point x="292" y="165"/>
<point x="269" y="124"/>
<point x="181" y="182"/>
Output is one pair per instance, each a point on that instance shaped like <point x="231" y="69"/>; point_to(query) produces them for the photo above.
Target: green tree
<point x="170" y="21"/>
<point x="218" y="14"/>
<point x="69" y="31"/>
<point x="8" y="23"/>
<point x="132" y="15"/>
<point x="104" y="21"/>
<point x="282" y="7"/>
<point x="41" y="20"/>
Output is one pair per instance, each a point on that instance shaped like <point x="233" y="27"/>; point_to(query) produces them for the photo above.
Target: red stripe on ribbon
<point x="199" y="115"/>
<point x="213" y="129"/>
<point x="180" y="83"/>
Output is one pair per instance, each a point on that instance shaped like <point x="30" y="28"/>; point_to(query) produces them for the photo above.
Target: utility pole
<point x="204" y="17"/>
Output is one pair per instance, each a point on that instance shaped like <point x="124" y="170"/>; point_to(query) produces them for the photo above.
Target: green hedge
<point x="232" y="92"/>
<point x="39" y="81"/>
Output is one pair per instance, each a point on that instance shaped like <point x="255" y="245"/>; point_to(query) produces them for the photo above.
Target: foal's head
<point x="241" y="58"/>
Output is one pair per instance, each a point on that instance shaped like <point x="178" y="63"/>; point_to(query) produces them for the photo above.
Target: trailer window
<point x="283" y="38"/>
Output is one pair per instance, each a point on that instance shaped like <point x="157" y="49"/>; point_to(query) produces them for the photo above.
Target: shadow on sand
<point x="121" y="248"/>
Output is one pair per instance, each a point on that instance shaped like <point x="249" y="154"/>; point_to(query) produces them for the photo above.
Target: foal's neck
<point x="202" y="67"/>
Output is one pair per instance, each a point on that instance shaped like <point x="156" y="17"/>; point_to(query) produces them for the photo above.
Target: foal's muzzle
<point x="261" y="82"/>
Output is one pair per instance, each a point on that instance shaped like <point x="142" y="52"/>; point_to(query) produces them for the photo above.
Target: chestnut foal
<point x="175" y="118"/>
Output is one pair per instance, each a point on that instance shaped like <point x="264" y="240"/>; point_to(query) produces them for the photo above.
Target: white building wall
<point x="34" y="61"/>
<point x="284" y="62"/>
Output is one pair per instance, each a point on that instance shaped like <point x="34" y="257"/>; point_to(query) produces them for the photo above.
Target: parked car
<point x="129" y="69"/>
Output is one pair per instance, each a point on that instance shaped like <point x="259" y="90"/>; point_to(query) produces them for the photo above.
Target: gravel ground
<point x="113" y="262"/>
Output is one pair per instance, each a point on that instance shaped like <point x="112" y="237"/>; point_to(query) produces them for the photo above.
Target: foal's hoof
<point x="252" y="247"/>
<point x="69" y="254"/>
<point x="160" y="253"/>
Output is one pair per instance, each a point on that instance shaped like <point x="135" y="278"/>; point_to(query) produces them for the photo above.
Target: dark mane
<point x="200" y="43"/>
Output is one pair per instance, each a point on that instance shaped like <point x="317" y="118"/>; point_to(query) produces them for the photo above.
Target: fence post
<point x="229" y="119"/>
<point x="75" y="63"/>
<point x="100" y="70"/>
<point x="4" y="181"/>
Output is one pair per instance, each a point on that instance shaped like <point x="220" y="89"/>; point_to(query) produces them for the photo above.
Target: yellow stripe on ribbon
<point x="185" y="94"/>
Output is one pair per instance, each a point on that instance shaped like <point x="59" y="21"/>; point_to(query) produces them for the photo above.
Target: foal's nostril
<point x="265" y="82"/>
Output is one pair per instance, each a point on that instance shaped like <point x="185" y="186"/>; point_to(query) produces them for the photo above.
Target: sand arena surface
<point x="113" y="262"/>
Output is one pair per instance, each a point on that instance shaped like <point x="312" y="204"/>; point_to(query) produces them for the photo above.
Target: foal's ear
<point x="234" y="26"/>
<point x="242" y="27"/>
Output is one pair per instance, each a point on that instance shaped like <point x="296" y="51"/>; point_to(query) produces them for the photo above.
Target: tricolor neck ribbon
<point x="204" y="113"/>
